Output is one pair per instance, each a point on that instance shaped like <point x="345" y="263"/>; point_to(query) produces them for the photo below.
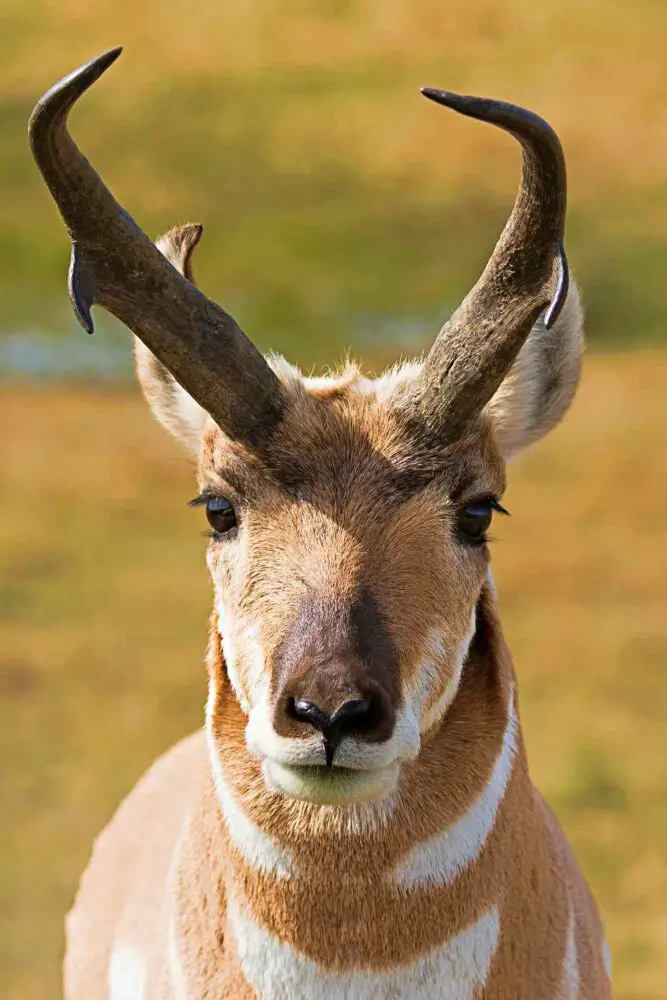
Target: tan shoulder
<point x="130" y="859"/>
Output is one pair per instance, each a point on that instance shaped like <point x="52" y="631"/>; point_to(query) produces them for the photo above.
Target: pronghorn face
<point x="347" y="558"/>
<point x="348" y="552"/>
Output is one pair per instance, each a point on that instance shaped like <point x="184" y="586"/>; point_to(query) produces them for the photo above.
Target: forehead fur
<point x="340" y="438"/>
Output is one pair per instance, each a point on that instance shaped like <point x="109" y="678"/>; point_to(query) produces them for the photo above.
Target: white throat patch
<point x="439" y="860"/>
<point x="456" y="970"/>
<point x="257" y="849"/>
<point x="253" y="686"/>
<point x="428" y="707"/>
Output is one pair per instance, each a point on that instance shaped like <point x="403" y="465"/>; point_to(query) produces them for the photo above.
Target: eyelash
<point x="470" y="537"/>
<point x="497" y="506"/>
<point x="201" y="500"/>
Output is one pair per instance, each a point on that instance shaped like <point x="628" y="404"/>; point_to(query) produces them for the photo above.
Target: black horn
<point x="526" y="274"/>
<point x="114" y="264"/>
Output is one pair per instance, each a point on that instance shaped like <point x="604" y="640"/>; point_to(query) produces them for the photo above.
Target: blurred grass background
<point x="341" y="210"/>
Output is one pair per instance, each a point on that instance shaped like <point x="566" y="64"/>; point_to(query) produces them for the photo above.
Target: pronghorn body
<point x="356" y="821"/>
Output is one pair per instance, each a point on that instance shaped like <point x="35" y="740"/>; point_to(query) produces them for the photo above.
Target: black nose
<point x="351" y="719"/>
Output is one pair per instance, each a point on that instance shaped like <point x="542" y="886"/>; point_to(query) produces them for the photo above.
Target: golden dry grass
<point x="334" y="196"/>
<point x="102" y="632"/>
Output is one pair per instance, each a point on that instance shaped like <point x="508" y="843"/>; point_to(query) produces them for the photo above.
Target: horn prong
<point x="81" y="287"/>
<point x="562" y="288"/>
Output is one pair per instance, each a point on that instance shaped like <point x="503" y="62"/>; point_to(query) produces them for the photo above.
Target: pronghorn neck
<point x="428" y="877"/>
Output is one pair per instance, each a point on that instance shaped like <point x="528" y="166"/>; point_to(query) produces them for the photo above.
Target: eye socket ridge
<point x="474" y="519"/>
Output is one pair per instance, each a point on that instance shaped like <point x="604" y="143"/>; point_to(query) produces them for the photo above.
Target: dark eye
<point x="475" y="519"/>
<point x="220" y="515"/>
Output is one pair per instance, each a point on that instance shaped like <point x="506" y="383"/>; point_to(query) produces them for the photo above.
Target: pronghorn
<point x="356" y="819"/>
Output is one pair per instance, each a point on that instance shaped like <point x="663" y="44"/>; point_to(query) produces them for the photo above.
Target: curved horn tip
<point x="482" y="108"/>
<point x="511" y="117"/>
<point x="434" y="94"/>
<point x="446" y="97"/>
<point x="65" y="92"/>
<point x="100" y="64"/>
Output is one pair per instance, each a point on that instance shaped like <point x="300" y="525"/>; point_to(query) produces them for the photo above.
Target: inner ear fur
<point x="169" y="402"/>
<point x="538" y="390"/>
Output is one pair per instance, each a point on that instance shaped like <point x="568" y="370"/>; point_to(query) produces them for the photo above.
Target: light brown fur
<point x="345" y="499"/>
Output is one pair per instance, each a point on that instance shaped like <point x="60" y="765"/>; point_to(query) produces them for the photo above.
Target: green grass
<point x="103" y="629"/>
<point x="339" y="205"/>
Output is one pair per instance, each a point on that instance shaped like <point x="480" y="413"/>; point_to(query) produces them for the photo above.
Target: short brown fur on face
<point x="346" y="580"/>
<point x="346" y="501"/>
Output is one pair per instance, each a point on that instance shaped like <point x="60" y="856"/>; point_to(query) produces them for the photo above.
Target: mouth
<point x="330" y="786"/>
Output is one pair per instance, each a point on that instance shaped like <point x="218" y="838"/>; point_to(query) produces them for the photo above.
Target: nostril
<point x="368" y="718"/>
<point x="358" y="716"/>
<point x="354" y="717"/>
<point x="307" y="711"/>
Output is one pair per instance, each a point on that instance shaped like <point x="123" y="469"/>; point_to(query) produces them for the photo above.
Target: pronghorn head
<point x="348" y="516"/>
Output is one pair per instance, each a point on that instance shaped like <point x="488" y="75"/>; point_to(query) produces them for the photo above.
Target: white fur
<point x="606" y="958"/>
<point x="126" y="975"/>
<point x="535" y="394"/>
<point x="456" y="970"/>
<point x="177" y="981"/>
<point x="436" y="650"/>
<point x="170" y="250"/>
<point x="383" y="388"/>
<point x="441" y="859"/>
<point x="229" y="652"/>
<point x="395" y="378"/>
<point x="263" y="741"/>
<point x="252" y="686"/>
<point x="258" y="850"/>
<point x="569" y="988"/>
<point x="170" y="404"/>
<point x="284" y="369"/>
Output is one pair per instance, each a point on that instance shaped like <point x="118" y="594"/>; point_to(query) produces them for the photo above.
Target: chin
<point x="338" y="786"/>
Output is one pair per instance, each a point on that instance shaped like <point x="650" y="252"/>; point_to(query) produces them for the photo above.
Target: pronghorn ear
<point x="171" y="404"/>
<point x="542" y="382"/>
